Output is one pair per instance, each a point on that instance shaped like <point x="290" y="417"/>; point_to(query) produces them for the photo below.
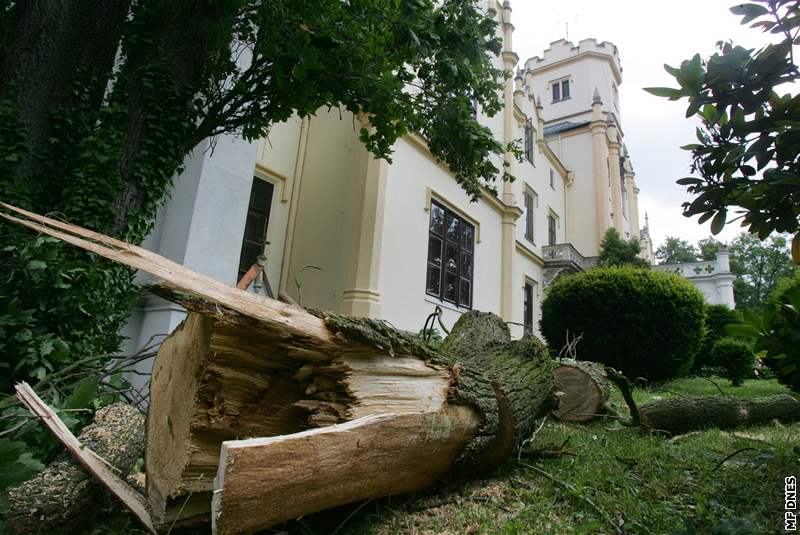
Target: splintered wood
<point x="295" y="412"/>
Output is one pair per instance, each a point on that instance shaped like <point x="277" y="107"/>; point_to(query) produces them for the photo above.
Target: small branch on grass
<point x="570" y="488"/>
<point x="737" y="452"/>
<point x="626" y="389"/>
<point x="721" y="393"/>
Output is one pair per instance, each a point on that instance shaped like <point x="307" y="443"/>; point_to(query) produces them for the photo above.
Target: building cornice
<point x="576" y="57"/>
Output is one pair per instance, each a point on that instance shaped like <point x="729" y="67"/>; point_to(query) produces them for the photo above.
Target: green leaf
<point x="36" y="264"/>
<point x="749" y="11"/>
<point x="740" y="329"/>
<point x="668" y="92"/>
<point x="718" y="222"/>
<point x="85" y="391"/>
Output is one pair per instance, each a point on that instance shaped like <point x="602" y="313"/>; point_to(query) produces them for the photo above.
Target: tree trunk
<point x="683" y="414"/>
<point x="583" y="389"/>
<point x="243" y="366"/>
<point x="62" y="495"/>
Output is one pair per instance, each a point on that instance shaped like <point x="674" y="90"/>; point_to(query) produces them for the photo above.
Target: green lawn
<point x="619" y="481"/>
<point x="641" y="484"/>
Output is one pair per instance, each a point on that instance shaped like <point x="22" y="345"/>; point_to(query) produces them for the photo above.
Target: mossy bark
<point x="62" y="495"/>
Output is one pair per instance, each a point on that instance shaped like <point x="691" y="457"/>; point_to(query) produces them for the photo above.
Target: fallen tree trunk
<point x="61" y="495"/>
<point x="679" y="415"/>
<point x="242" y="366"/>
<point x="583" y="390"/>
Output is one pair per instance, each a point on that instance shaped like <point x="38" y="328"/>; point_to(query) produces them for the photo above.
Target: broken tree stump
<point x="60" y="496"/>
<point x="583" y="389"/>
<point x="242" y="366"/>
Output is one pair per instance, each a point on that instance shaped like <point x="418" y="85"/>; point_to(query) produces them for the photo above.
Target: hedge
<point x="644" y="323"/>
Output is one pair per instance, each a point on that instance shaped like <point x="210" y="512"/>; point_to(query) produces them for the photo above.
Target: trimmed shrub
<point x="644" y="323"/>
<point x="735" y="358"/>
<point x="716" y="318"/>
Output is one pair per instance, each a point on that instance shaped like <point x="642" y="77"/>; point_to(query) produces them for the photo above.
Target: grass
<point x="636" y="483"/>
<point x="602" y="479"/>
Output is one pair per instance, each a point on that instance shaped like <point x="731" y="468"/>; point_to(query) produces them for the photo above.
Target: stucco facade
<point x="353" y="234"/>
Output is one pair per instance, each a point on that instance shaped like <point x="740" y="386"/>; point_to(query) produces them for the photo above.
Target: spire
<point x="518" y="75"/>
<point x="646" y="221"/>
<point x="539" y="103"/>
<point x="596" y="97"/>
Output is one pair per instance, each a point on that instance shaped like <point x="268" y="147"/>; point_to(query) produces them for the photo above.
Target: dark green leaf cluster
<point x="717" y="317"/>
<point x="644" y="323"/>
<point x="614" y="251"/>
<point x="776" y="332"/>
<point x="747" y="154"/>
<point x="735" y="358"/>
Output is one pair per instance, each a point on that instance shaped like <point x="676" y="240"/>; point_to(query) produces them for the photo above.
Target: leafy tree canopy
<point x="614" y="251"/>
<point x="758" y="266"/>
<point x="746" y="159"/>
<point x="709" y="247"/>
<point x="675" y="250"/>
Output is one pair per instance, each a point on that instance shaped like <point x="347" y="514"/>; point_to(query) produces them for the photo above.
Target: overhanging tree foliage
<point x="101" y="102"/>
<point x="747" y="154"/>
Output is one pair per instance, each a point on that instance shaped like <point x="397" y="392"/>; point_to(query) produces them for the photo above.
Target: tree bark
<point x="680" y="415"/>
<point x="62" y="495"/>
<point x="56" y="54"/>
<point x="583" y="389"/>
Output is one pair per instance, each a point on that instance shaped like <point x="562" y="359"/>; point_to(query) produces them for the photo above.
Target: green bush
<point x="776" y="332"/>
<point x="735" y="358"/>
<point x="716" y="318"/>
<point x="644" y="323"/>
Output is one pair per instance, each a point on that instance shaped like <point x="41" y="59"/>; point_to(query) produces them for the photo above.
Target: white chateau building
<point x="394" y="241"/>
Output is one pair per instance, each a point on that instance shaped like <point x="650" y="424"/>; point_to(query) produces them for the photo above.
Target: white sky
<point x="648" y="34"/>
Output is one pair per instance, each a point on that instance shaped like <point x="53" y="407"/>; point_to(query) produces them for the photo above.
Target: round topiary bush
<point x="735" y="358"/>
<point x="644" y="323"/>
<point x="716" y="318"/>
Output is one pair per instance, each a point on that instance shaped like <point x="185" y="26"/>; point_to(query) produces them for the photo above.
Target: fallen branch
<point x="60" y="495"/>
<point x="679" y="416"/>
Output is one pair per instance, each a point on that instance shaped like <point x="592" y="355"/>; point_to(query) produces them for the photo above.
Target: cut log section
<point x="583" y="390"/>
<point x="242" y="366"/>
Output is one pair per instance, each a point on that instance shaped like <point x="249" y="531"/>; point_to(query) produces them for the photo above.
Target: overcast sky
<point x="648" y="34"/>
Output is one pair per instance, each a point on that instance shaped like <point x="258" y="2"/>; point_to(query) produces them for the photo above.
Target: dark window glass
<point x="527" y="320"/>
<point x="451" y="242"/>
<point x="565" y="89"/>
<point x="528" y="196"/>
<point x="556" y="92"/>
<point x="434" y="283"/>
<point x="529" y="140"/>
<point x="551" y="230"/>
<point x="468" y="238"/>
<point x="453" y="229"/>
<point x="255" y="226"/>
<point x="552" y="179"/>
<point x="437" y="219"/>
